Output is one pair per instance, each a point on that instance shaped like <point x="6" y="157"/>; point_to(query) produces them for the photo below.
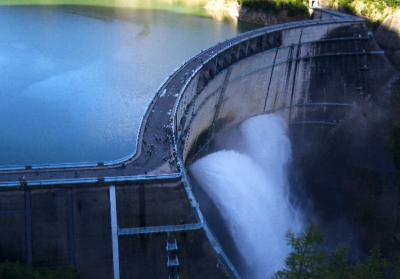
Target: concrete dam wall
<point x="312" y="75"/>
<point x="139" y="218"/>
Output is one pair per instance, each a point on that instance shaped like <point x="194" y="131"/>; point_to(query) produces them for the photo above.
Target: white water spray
<point x="249" y="186"/>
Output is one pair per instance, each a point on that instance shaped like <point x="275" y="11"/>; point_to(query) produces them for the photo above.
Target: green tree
<point x="309" y="260"/>
<point x="376" y="267"/>
<point x="18" y="271"/>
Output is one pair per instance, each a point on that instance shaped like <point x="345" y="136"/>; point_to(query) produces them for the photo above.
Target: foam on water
<point x="249" y="186"/>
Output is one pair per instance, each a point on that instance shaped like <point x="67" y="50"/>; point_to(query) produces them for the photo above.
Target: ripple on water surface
<point x="75" y="83"/>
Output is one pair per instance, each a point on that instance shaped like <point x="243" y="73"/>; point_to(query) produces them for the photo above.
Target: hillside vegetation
<point x="293" y="7"/>
<point x="373" y="10"/>
<point x="310" y="260"/>
<point x="10" y="270"/>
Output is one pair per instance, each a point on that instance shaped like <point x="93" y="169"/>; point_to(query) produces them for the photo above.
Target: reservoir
<point x="75" y="82"/>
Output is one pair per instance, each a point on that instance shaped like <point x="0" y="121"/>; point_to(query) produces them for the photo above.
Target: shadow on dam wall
<point x="346" y="173"/>
<point x="327" y="78"/>
<point x="335" y="92"/>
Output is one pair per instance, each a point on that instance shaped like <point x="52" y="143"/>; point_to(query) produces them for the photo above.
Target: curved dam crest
<point x="138" y="217"/>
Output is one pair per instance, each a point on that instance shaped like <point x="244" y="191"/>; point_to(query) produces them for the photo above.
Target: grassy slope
<point x="374" y="10"/>
<point x="110" y="3"/>
<point x="178" y="6"/>
<point x="60" y="2"/>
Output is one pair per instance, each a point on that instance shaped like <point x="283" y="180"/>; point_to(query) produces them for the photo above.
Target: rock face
<point x="388" y="34"/>
<point x="388" y="37"/>
<point x="325" y="3"/>
<point x="260" y="17"/>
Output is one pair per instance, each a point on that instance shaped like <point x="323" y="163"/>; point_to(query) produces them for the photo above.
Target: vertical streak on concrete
<point x="71" y="227"/>
<point x="270" y="78"/>
<point x="361" y="61"/>
<point x="298" y="53"/>
<point x="28" y="227"/>
<point x="114" y="231"/>
<point x="360" y="82"/>
<point x="142" y="206"/>
<point x="219" y="102"/>
<point x="288" y="71"/>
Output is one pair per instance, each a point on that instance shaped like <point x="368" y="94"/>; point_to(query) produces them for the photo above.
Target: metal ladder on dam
<point x="171" y="245"/>
<point x="172" y="262"/>
<point x="171" y="248"/>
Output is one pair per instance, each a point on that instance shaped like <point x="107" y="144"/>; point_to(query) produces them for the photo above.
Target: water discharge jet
<point x="249" y="187"/>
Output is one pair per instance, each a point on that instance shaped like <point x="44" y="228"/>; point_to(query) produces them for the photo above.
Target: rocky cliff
<point x="388" y="37"/>
<point x="265" y="17"/>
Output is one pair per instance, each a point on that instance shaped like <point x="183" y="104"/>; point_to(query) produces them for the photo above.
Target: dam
<point x="138" y="217"/>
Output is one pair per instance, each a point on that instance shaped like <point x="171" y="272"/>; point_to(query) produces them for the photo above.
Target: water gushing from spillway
<point x="248" y="185"/>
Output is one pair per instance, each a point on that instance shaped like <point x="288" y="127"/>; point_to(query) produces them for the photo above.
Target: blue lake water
<point x="75" y="83"/>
